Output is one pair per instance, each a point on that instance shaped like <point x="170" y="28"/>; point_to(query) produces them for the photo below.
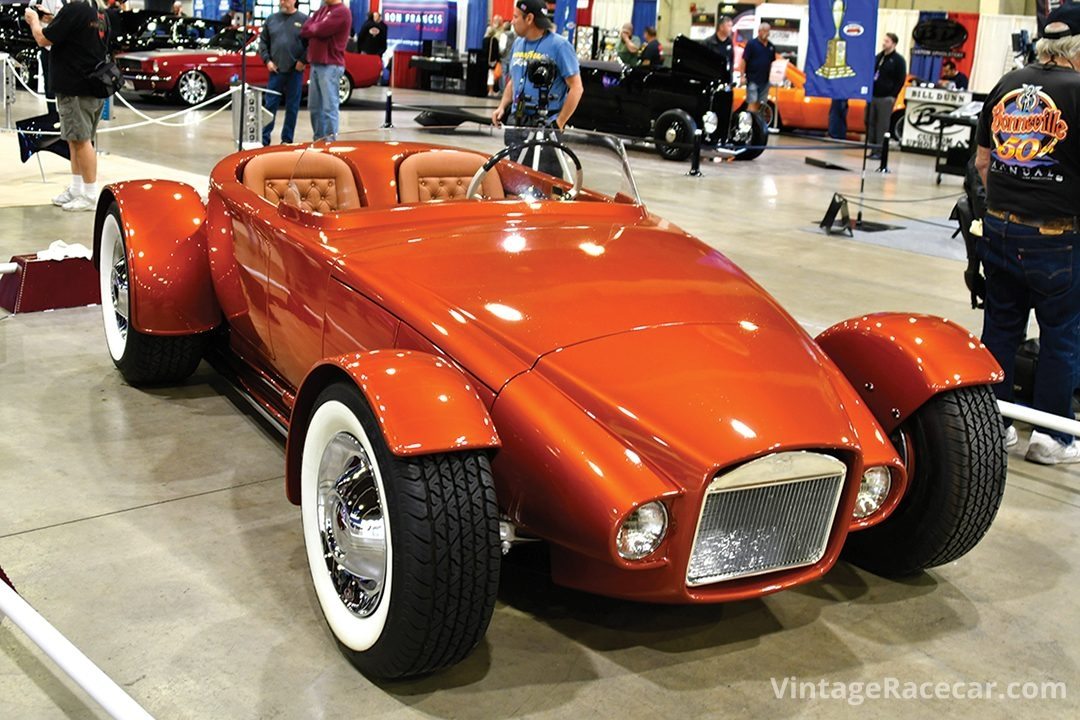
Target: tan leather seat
<point x="444" y="175"/>
<point x="321" y="182"/>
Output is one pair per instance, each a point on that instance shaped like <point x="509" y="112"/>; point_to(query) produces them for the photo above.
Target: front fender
<point x="169" y="272"/>
<point x="424" y="405"/>
<point x="898" y="361"/>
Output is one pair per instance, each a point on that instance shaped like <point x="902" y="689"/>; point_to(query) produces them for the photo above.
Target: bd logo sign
<point x="939" y="35"/>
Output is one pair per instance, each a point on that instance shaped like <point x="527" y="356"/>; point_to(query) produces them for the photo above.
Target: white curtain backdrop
<point x="613" y="13"/>
<point x="993" y="48"/>
<point x="901" y="22"/>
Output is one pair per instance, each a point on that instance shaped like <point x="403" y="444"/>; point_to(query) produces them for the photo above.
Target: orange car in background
<point x="800" y="111"/>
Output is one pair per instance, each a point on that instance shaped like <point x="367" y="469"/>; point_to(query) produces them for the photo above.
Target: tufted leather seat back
<point x="320" y="182"/>
<point x="443" y="175"/>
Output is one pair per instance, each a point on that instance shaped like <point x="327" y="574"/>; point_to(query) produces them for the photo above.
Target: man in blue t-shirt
<point x="535" y="41"/>
<point x="757" y="60"/>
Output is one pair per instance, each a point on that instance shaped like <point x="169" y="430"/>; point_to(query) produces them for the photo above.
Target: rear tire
<point x="142" y="359"/>
<point x="957" y="466"/>
<point x="424" y="602"/>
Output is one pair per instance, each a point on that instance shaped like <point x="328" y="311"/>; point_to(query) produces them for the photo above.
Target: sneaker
<point x="79" y="203"/>
<point x="63" y="198"/>
<point x="1045" y="450"/>
<point x="1011" y="437"/>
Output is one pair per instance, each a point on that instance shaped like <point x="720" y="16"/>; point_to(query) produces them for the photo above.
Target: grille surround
<point x="774" y="513"/>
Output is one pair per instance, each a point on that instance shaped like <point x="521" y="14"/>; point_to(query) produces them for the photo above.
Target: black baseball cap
<point x="538" y="9"/>
<point x="1069" y="15"/>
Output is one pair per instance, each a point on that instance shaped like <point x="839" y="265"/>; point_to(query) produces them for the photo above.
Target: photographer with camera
<point x="545" y="82"/>
<point x="535" y="48"/>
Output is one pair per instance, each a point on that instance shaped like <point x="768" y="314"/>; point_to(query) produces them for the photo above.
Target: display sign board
<point x="920" y="131"/>
<point x="840" y="55"/>
<point x="410" y="22"/>
<point x="702" y="25"/>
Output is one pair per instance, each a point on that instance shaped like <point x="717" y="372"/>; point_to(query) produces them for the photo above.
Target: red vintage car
<point x="194" y="76"/>
<point x="466" y="353"/>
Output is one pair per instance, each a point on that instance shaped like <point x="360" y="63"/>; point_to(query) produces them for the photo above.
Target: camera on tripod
<point x="541" y="73"/>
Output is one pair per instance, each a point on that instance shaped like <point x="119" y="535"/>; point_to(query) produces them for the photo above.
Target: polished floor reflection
<point x="151" y="526"/>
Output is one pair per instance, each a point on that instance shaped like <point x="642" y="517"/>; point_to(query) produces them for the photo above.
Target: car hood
<point x="498" y="299"/>
<point x="691" y="399"/>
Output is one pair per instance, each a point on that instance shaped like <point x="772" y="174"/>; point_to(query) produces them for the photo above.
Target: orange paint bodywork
<point x="898" y="361"/>
<point x="610" y="358"/>
<point x="165" y="235"/>
<point x="807" y="112"/>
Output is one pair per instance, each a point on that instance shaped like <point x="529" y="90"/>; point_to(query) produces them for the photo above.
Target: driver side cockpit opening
<point x="311" y="181"/>
<point x="444" y="175"/>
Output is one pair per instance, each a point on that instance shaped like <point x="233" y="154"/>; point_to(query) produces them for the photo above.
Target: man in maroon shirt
<point x="327" y="31"/>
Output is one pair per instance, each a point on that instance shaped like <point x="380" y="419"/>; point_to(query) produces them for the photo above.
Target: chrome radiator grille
<point x="771" y="514"/>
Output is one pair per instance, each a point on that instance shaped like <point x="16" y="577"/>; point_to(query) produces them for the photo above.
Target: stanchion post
<point x="884" y="167"/>
<point x="695" y="156"/>
<point x="9" y="87"/>
<point x="388" y="120"/>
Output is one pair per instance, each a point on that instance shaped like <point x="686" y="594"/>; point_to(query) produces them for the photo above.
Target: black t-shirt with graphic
<point x="1031" y="123"/>
<point x="78" y="35"/>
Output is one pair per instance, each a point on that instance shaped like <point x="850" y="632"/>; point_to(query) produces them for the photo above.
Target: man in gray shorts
<point x="77" y="35"/>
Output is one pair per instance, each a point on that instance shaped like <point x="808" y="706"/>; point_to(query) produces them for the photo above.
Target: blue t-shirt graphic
<point x="549" y="45"/>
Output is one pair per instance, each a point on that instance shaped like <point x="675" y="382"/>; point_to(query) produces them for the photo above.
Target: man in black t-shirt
<point x="757" y="60"/>
<point x="78" y="36"/>
<point x="1029" y="159"/>
<point x="650" y="53"/>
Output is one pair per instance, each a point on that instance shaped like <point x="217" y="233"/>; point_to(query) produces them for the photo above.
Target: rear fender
<point x="424" y="405"/>
<point x="898" y="361"/>
<point x="165" y="234"/>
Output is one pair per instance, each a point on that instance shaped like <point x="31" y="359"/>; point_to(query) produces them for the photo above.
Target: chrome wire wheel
<point x="742" y="128"/>
<point x="351" y="524"/>
<point x="115" y="287"/>
<point x="345" y="89"/>
<point x="193" y="87"/>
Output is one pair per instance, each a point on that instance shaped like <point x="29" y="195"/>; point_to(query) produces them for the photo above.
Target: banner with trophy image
<point x="840" y="57"/>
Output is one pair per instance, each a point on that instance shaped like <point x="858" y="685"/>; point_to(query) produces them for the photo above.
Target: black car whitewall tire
<point x="193" y="87"/>
<point x="954" y="448"/>
<point x="142" y="359"/>
<point x="439" y="531"/>
<point x="674" y="135"/>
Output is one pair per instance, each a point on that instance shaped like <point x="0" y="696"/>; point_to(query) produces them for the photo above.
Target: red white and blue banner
<point x="840" y="56"/>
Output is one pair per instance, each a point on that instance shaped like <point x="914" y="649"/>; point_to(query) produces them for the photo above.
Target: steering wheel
<point x="515" y="150"/>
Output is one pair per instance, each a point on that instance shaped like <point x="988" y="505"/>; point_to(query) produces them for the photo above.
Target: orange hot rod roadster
<point x="466" y="352"/>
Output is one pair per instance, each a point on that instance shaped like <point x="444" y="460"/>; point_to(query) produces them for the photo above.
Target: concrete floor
<point x="151" y="526"/>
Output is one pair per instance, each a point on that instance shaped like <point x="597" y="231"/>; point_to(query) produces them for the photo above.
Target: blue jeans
<point x="290" y="85"/>
<point x="1027" y="270"/>
<point x="323" y="101"/>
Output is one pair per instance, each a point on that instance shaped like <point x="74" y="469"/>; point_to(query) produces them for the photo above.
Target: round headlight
<point x="710" y="122"/>
<point x="873" y="490"/>
<point x="642" y="531"/>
